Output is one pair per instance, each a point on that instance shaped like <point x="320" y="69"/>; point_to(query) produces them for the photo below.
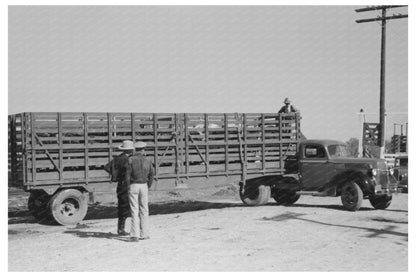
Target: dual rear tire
<point x="260" y="195"/>
<point x="255" y="195"/>
<point x="283" y="197"/>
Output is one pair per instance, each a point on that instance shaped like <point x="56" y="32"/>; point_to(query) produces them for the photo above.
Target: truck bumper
<point x="389" y="189"/>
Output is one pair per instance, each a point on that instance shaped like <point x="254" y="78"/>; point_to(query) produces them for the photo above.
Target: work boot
<point x="120" y="227"/>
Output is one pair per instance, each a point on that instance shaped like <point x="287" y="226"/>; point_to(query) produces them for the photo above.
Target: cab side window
<point x="314" y="152"/>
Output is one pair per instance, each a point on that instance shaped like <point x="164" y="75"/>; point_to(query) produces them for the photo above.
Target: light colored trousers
<point x="138" y="199"/>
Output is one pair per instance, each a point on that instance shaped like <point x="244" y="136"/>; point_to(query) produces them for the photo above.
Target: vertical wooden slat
<point x="24" y="141"/>
<point x="263" y="131"/>
<point x="206" y="145"/>
<point x="245" y="141"/>
<point x="13" y="158"/>
<point x="32" y="128"/>
<point x="85" y="115"/>
<point x="226" y="143"/>
<point x="60" y="143"/>
<point x="156" y="144"/>
<point x="185" y="121"/>
<point x="110" y="136"/>
<point x="176" y="118"/>
<point x="133" y="129"/>
<point x="280" y="144"/>
<point x="244" y="167"/>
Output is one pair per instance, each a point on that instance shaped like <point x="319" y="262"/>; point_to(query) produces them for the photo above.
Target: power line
<point x="373" y="8"/>
<point x="382" y="18"/>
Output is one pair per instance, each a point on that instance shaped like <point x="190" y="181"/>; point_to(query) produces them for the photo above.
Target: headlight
<point x="391" y="170"/>
<point x="373" y="172"/>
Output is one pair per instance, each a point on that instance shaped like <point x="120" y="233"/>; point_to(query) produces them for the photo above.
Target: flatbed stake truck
<point x="60" y="157"/>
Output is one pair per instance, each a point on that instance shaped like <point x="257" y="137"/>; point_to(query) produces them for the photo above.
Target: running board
<point x="313" y="193"/>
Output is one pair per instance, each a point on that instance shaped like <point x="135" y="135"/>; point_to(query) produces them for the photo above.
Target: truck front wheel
<point x="69" y="206"/>
<point x="351" y="196"/>
<point x="255" y="195"/>
<point x="380" y="202"/>
<point x="283" y="197"/>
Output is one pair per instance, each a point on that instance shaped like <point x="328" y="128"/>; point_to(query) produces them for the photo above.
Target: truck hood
<point x="365" y="162"/>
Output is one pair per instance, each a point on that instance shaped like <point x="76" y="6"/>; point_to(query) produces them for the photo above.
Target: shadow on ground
<point x="101" y="212"/>
<point x="388" y="230"/>
<point x="100" y="235"/>
<point x="339" y="207"/>
<point x="97" y="211"/>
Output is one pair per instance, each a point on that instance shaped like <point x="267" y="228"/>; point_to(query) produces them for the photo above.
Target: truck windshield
<point x="338" y="150"/>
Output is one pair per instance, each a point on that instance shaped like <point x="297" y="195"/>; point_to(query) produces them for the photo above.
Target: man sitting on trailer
<point x="288" y="107"/>
<point x="117" y="169"/>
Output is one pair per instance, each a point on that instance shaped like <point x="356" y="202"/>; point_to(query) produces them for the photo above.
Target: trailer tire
<point x="38" y="204"/>
<point x="284" y="197"/>
<point x="69" y="206"/>
<point x="351" y="196"/>
<point x="255" y="195"/>
<point x="380" y="202"/>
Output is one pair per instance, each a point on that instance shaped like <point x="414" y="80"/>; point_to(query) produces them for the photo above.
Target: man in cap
<point x="139" y="178"/>
<point x="288" y="107"/>
<point x="117" y="169"/>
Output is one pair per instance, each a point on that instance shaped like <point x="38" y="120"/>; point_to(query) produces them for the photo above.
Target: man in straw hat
<point x="117" y="169"/>
<point x="288" y="107"/>
<point x="139" y="178"/>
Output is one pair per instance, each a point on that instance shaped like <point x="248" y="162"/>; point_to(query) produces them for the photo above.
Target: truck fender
<point x="267" y="180"/>
<point x="362" y="180"/>
<point x="51" y="190"/>
<point x="283" y="182"/>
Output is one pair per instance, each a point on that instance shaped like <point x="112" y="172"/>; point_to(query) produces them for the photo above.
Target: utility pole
<point x="383" y="18"/>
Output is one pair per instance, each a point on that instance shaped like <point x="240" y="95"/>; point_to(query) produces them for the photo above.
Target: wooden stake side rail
<point x="62" y="148"/>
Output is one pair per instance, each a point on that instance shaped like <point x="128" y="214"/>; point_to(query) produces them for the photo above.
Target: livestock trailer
<point x="60" y="157"/>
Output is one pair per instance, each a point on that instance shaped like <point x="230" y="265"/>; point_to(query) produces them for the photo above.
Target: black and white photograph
<point x="208" y="137"/>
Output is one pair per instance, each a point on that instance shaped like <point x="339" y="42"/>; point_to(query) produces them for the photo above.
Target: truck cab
<point x="324" y="168"/>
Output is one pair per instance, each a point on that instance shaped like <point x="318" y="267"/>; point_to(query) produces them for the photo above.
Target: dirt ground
<point x="211" y="230"/>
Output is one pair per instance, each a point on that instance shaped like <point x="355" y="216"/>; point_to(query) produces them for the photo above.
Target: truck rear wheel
<point x="38" y="204"/>
<point x="380" y="202"/>
<point x="351" y="196"/>
<point x="69" y="206"/>
<point x="284" y="197"/>
<point x="255" y="195"/>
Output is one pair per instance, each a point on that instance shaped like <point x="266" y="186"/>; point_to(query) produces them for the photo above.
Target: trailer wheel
<point x="69" y="206"/>
<point x="38" y="204"/>
<point x="284" y="197"/>
<point x="351" y="196"/>
<point x="255" y="195"/>
<point x="380" y="202"/>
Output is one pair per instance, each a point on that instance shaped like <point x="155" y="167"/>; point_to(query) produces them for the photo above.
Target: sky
<point x="210" y="59"/>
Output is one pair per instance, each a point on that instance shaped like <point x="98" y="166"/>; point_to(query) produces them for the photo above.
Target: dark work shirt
<point x="117" y="167"/>
<point x="288" y="109"/>
<point x="139" y="170"/>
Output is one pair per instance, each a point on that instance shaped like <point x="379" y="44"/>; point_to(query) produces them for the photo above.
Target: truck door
<point x="314" y="166"/>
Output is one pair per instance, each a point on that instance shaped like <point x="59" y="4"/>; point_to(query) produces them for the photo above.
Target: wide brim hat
<point x="140" y="144"/>
<point x="127" y="145"/>
<point x="287" y="101"/>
